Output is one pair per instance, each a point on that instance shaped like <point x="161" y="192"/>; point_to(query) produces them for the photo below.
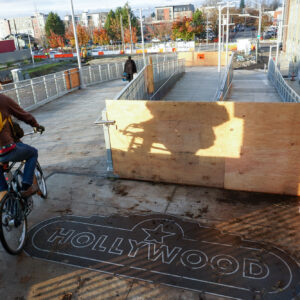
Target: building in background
<point x="291" y="31"/>
<point x="33" y="25"/>
<point x="90" y="20"/>
<point x="172" y="13"/>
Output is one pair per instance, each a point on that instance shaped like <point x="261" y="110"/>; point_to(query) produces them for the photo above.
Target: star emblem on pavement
<point x="157" y="235"/>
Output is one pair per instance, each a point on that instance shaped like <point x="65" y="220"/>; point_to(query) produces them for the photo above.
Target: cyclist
<point x="14" y="150"/>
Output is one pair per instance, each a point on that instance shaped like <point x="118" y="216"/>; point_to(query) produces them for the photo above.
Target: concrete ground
<point x="252" y="86"/>
<point x="197" y="84"/>
<point x="72" y="153"/>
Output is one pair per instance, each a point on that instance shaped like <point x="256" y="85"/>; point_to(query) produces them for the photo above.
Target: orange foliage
<point x="127" y="35"/>
<point x="55" y="40"/>
<point x="100" y="36"/>
<point x="82" y="34"/>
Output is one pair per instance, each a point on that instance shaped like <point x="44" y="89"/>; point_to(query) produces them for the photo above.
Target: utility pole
<point x="227" y="33"/>
<point x="32" y="57"/>
<point x="142" y="32"/>
<point x="219" y="53"/>
<point x="122" y="33"/>
<point x="82" y="85"/>
<point x="129" y="22"/>
<point x="206" y="28"/>
<point x="259" y="26"/>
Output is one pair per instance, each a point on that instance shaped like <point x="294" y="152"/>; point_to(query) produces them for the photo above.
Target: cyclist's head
<point x="129" y="57"/>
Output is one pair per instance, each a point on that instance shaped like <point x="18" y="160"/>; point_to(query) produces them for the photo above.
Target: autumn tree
<point x="54" y="24"/>
<point x="161" y="30"/>
<point x="127" y="35"/>
<point x="187" y="28"/>
<point x="55" y="40"/>
<point x="113" y="21"/>
<point x="82" y="34"/>
<point x="100" y="36"/>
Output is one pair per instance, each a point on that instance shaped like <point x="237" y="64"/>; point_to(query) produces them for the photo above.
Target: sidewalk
<point x="73" y="154"/>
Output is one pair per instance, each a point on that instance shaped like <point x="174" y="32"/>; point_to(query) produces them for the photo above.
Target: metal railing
<point x="32" y="93"/>
<point x="286" y="93"/>
<point x="162" y="72"/>
<point x="225" y="82"/>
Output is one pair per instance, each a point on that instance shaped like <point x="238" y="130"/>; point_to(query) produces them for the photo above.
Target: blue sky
<point x="13" y="8"/>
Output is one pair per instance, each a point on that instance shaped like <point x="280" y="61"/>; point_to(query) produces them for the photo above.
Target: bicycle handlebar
<point x="31" y="133"/>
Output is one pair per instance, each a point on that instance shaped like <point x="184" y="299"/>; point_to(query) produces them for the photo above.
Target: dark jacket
<point x="8" y="107"/>
<point x="130" y="67"/>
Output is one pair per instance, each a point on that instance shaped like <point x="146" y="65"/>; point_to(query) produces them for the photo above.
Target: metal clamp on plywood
<point x="105" y="122"/>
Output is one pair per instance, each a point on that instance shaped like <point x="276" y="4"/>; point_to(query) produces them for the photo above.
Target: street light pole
<point x="142" y="32"/>
<point x="259" y="27"/>
<point x="219" y="53"/>
<point x="227" y="34"/>
<point x="206" y="29"/>
<point x="77" y="47"/>
<point x="32" y="57"/>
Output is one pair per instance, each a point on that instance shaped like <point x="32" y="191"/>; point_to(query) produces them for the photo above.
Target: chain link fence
<point x="286" y="93"/>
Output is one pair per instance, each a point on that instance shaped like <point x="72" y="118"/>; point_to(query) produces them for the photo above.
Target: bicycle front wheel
<point x="38" y="172"/>
<point x="13" y="229"/>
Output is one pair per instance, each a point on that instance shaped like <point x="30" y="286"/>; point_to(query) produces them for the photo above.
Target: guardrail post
<point x="100" y="73"/>
<point x="33" y="92"/>
<point x="46" y="89"/>
<point x="55" y="81"/>
<point x="17" y="94"/>
<point x="90" y="73"/>
<point x="108" y="71"/>
<point x="64" y="79"/>
<point x="117" y="71"/>
<point x="110" y="168"/>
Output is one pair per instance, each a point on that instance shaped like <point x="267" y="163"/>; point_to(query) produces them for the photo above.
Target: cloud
<point x="13" y="8"/>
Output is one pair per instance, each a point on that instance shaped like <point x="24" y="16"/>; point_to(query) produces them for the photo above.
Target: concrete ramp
<point x="252" y="86"/>
<point x="197" y="84"/>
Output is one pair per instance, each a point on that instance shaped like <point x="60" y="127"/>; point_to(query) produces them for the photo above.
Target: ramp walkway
<point x="201" y="83"/>
<point x="197" y="84"/>
<point x="252" y="86"/>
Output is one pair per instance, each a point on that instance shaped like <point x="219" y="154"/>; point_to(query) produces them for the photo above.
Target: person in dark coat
<point x="130" y="68"/>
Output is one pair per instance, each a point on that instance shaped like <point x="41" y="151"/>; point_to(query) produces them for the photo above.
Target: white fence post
<point x="55" y="81"/>
<point x="33" y="92"/>
<point x="46" y="89"/>
<point x="108" y="72"/>
<point x="91" y="76"/>
<point x="100" y="73"/>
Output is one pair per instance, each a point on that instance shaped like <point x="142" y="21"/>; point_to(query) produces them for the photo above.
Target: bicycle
<point x="14" y="209"/>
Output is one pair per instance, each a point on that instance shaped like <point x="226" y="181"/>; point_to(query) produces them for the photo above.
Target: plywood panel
<point x="242" y="146"/>
<point x="202" y="58"/>
<point x="269" y="160"/>
<point x="167" y="141"/>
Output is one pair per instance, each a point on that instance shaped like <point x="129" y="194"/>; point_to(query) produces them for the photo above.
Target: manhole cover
<point x="167" y="250"/>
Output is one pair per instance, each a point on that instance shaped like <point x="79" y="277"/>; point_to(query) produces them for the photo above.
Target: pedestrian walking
<point x="130" y="68"/>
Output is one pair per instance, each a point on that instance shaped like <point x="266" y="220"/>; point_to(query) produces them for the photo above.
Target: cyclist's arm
<point x="18" y="112"/>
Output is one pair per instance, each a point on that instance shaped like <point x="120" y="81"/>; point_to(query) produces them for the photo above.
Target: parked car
<point x="155" y="40"/>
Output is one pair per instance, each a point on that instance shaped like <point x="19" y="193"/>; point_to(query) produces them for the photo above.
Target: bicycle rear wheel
<point x="38" y="172"/>
<point x="13" y="229"/>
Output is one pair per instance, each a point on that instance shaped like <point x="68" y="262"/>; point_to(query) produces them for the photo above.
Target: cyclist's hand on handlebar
<point x="39" y="129"/>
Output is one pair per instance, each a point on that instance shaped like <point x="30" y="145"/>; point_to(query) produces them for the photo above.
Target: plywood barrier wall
<point x="240" y="146"/>
<point x="202" y="58"/>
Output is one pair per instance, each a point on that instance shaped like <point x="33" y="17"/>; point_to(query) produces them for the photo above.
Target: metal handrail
<point x="286" y="93"/>
<point x="226" y="81"/>
<point x="130" y="84"/>
<point x="162" y="72"/>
